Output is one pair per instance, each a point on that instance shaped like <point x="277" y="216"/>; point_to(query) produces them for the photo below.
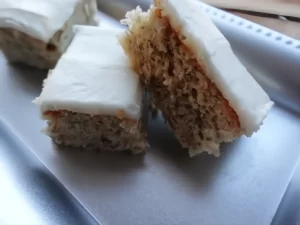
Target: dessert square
<point x="203" y="91"/>
<point x="37" y="32"/>
<point x="92" y="99"/>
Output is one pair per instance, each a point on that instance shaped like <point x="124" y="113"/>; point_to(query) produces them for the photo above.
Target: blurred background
<point x="279" y="15"/>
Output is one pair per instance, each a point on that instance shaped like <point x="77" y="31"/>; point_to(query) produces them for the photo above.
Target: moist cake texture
<point x="95" y="132"/>
<point x="36" y="32"/>
<point x="204" y="93"/>
<point x="92" y="99"/>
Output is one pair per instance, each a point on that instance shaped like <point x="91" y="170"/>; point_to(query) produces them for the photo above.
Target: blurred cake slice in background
<point x="92" y="99"/>
<point x="37" y="32"/>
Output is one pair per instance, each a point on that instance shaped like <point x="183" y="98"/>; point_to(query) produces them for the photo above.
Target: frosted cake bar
<point x="203" y="91"/>
<point x="37" y="32"/>
<point x="92" y="99"/>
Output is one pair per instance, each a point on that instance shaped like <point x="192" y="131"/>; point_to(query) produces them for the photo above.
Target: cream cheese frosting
<point x="223" y="68"/>
<point x="43" y="18"/>
<point x="93" y="77"/>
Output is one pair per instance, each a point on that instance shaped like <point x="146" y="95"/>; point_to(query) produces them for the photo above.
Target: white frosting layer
<point x="93" y="77"/>
<point x="43" y="18"/>
<point x="244" y="94"/>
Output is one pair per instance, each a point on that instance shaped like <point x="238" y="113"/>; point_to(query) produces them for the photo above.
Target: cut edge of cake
<point x="185" y="17"/>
